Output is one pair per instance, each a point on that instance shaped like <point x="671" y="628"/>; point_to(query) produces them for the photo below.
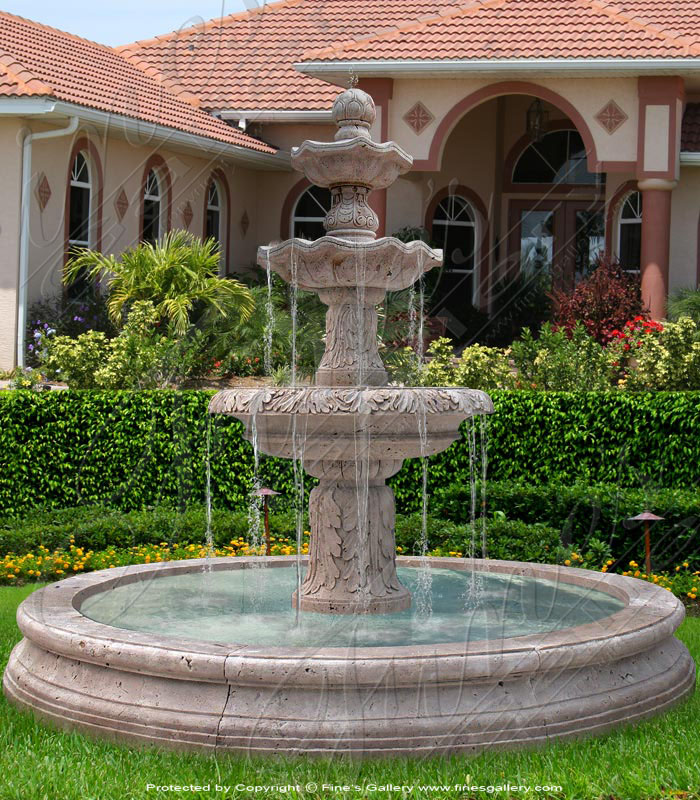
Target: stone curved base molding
<point x="442" y="698"/>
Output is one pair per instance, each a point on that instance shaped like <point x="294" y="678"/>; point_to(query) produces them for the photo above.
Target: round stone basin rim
<point x="50" y="618"/>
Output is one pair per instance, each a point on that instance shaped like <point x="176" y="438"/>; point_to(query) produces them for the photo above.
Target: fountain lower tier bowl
<point x="493" y="654"/>
<point x="349" y="423"/>
<point x="386" y="264"/>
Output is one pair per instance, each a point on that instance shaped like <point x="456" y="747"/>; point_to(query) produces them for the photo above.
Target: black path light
<point x="266" y="493"/>
<point x="647" y="517"/>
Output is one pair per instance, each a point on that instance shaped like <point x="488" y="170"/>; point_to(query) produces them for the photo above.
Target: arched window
<point x="629" y="232"/>
<point x="454" y="230"/>
<point x="80" y="201"/>
<point x="559" y="158"/>
<point x="310" y="212"/>
<point x="213" y="221"/>
<point x="79" y="217"/>
<point x="152" y="208"/>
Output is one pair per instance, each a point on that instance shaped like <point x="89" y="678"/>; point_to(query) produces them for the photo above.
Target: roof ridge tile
<point x="616" y="11"/>
<point x="42" y="26"/>
<point x="210" y="23"/>
<point x="472" y="6"/>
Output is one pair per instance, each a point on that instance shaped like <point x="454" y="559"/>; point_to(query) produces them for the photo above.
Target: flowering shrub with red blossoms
<point x="632" y="332"/>
<point x="650" y="356"/>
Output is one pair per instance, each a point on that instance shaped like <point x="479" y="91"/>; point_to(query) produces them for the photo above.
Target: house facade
<point x="544" y="133"/>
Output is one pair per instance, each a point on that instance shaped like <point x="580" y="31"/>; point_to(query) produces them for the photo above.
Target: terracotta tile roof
<point x="246" y="60"/>
<point x="36" y="60"/>
<point x="690" y="132"/>
<point x="521" y="29"/>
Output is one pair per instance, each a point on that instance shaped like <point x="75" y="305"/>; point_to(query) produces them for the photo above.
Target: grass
<point x="656" y="759"/>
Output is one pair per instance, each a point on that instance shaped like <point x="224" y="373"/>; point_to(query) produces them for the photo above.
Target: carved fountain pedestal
<point x="356" y="431"/>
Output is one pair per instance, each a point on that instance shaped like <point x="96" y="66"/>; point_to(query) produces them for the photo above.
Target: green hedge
<point x="95" y="528"/>
<point x="583" y="512"/>
<point x="132" y="450"/>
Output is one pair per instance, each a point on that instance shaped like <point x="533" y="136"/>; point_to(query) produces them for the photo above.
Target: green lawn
<point x="656" y="759"/>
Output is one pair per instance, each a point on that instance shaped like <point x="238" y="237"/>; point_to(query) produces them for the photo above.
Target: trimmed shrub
<point x="95" y="528"/>
<point x="583" y="513"/>
<point x="133" y="450"/>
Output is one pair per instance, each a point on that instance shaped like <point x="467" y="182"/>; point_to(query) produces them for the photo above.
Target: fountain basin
<point x="388" y="699"/>
<point x="386" y="264"/>
<point x="352" y="424"/>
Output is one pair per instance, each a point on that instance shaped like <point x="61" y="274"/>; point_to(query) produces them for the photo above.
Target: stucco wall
<point x="123" y="163"/>
<point x="588" y="96"/>
<point x="10" y="180"/>
<point x="685" y="212"/>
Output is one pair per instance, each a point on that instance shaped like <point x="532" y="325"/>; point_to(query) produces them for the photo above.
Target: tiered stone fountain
<point x="351" y="429"/>
<point x="210" y="653"/>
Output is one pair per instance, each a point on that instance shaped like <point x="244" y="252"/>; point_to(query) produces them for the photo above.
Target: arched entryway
<point x="527" y="201"/>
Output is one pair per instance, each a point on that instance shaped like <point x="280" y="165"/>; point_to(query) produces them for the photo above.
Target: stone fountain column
<point x="352" y="550"/>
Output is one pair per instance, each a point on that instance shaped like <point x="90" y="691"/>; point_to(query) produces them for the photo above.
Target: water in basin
<point x="252" y="607"/>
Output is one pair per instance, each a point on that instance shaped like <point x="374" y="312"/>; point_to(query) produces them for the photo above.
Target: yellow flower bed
<point x="45" y="565"/>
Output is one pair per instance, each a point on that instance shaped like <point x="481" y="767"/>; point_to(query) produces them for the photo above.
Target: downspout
<point x="25" y="202"/>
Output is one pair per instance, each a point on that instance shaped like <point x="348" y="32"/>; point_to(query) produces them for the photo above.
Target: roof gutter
<point x="448" y="67"/>
<point x="282" y="115"/>
<point x="151" y="131"/>
<point x="23" y="276"/>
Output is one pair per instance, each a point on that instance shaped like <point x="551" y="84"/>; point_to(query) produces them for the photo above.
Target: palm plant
<point x="178" y="274"/>
<point x="684" y="303"/>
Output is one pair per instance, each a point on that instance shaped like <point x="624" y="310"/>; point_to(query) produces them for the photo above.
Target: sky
<point x="116" y="22"/>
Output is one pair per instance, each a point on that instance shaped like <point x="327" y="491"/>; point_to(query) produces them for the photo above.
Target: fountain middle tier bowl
<point x="318" y="423"/>
<point x="210" y="655"/>
<point x="332" y="262"/>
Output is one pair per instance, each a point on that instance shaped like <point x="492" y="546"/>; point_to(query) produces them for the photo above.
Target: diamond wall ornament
<point x="187" y="214"/>
<point x="611" y="116"/>
<point x="245" y="223"/>
<point x="418" y="117"/>
<point x="43" y="191"/>
<point x="121" y="204"/>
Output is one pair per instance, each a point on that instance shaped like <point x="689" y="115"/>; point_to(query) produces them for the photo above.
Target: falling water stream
<point x="297" y="441"/>
<point x="209" y="536"/>
<point x="270" y="318"/>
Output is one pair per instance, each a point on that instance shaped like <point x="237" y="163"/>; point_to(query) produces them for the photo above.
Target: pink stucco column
<point x="656" y="243"/>
<point x="382" y="90"/>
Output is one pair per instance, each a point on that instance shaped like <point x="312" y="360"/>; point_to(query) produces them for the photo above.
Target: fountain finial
<point x="354" y="113"/>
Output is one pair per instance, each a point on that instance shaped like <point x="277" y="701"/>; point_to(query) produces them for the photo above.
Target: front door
<point x="560" y="238"/>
